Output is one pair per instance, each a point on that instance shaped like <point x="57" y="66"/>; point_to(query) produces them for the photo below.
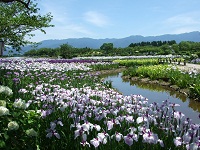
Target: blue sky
<point x="118" y="18"/>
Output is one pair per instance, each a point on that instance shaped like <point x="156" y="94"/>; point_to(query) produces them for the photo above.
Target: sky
<point x="100" y="19"/>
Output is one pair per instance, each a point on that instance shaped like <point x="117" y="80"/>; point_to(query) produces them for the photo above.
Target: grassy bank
<point x="171" y="74"/>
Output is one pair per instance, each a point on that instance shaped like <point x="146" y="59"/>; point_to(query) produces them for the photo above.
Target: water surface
<point x="157" y="93"/>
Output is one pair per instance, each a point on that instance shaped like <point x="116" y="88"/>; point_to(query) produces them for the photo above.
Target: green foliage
<point x="195" y="91"/>
<point x="153" y="43"/>
<point x="107" y="46"/>
<point x="66" y="51"/>
<point x="106" y="66"/>
<point x="107" y="49"/>
<point x="137" y="62"/>
<point x="189" y="80"/>
<point x="185" y="46"/>
<point x="198" y="54"/>
<point x="18" y="23"/>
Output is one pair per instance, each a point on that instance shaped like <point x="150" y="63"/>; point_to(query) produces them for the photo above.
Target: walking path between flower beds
<point x="189" y="67"/>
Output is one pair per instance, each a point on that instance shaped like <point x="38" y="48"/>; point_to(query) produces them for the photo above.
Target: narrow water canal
<point x="156" y="93"/>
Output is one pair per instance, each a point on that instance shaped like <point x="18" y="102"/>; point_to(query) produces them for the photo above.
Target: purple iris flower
<point x="52" y="131"/>
<point x="16" y="80"/>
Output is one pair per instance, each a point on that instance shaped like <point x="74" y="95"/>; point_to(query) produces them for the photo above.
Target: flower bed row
<point x="137" y="62"/>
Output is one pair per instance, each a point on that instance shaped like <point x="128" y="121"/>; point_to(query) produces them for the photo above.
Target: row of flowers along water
<point x="54" y="105"/>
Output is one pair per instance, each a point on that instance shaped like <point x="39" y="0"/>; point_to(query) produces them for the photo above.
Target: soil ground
<point x="189" y="67"/>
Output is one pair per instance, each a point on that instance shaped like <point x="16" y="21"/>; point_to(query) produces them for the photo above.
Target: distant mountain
<point x="123" y="42"/>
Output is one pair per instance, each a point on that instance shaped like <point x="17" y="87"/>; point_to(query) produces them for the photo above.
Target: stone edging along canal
<point x="146" y="80"/>
<point x="159" y="82"/>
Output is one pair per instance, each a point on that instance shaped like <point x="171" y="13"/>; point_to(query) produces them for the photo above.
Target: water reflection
<point x="156" y="93"/>
<point x="157" y="88"/>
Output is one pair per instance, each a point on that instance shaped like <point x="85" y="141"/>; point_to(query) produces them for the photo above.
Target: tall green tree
<point x="17" y="23"/>
<point x="24" y="2"/>
<point x="175" y="48"/>
<point x="185" y="46"/>
<point x="66" y="51"/>
<point x="195" y="46"/>
<point x="106" y="47"/>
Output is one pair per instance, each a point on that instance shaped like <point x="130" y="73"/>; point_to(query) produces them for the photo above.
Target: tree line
<point x="153" y="43"/>
<point x="107" y="49"/>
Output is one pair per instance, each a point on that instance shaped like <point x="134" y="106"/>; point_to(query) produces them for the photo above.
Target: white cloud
<point x="58" y="11"/>
<point x="77" y="29"/>
<point x="65" y="21"/>
<point x="62" y="32"/>
<point x="184" y="30"/>
<point x="96" y="18"/>
<point x="182" y="23"/>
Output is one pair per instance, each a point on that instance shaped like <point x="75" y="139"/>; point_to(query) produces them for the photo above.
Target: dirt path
<point x="189" y="67"/>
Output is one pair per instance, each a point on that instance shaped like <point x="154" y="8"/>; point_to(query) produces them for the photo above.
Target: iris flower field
<point x="64" y="104"/>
